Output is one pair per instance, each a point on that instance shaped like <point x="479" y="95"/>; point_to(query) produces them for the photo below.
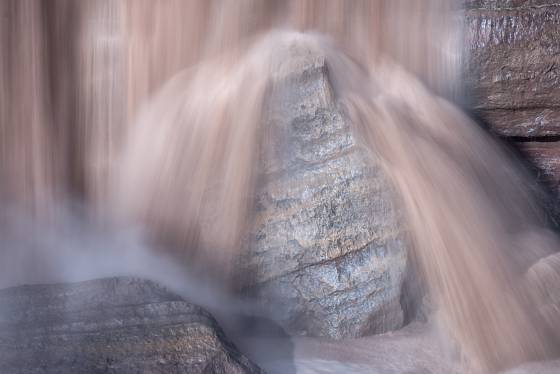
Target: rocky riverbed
<point x="130" y="325"/>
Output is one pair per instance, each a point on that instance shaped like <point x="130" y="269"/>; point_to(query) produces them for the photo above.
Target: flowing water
<point x="152" y="113"/>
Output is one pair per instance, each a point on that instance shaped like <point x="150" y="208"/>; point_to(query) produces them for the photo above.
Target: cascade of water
<point x="82" y="119"/>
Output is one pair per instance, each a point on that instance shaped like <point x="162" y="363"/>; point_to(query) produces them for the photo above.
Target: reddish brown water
<point x="85" y="115"/>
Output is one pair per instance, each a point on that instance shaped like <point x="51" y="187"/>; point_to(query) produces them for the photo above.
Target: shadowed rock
<point x="546" y="157"/>
<point x="114" y="325"/>
<point x="544" y="160"/>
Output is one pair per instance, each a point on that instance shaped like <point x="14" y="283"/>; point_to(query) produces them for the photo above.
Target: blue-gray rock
<point x="327" y="257"/>
<point x="113" y="325"/>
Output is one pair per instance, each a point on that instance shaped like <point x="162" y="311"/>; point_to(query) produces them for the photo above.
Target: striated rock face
<point x="327" y="259"/>
<point x="513" y="75"/>
<point x="115" y="325"/>
<point x="513" y="68"/>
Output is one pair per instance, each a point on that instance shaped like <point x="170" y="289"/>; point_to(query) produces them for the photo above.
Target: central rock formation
<point x="327" y="258"/>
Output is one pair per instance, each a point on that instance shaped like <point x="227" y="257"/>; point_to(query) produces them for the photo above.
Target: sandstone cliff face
<point x="513" y="75"/>
<point x="328" y="259"/>
<point x="115" y="325"/>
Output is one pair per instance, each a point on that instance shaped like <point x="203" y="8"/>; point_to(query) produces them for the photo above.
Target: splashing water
<point x="86" y="122"/>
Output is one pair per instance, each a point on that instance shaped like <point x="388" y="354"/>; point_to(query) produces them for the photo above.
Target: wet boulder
<point x="327" y="257"/>
<point x="114" y="325"/>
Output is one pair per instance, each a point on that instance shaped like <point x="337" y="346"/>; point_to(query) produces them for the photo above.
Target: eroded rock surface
<point x="114" y="325"/>
<point x="327" y="259"/>
<point x="512" y="72"/>
<point x="513" y="65"/>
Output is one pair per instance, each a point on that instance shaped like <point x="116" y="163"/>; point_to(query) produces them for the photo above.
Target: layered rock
<point x="115" y="325"/>
<point x="513" y="74"/>
<point x="327" y="259"/>
<point x="513" y="68"/>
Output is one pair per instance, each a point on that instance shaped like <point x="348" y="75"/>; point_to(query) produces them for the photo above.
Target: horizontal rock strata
<point x="513" y="65"/>
<point x="114" y="325"/>
<point x="512" y="72"/>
